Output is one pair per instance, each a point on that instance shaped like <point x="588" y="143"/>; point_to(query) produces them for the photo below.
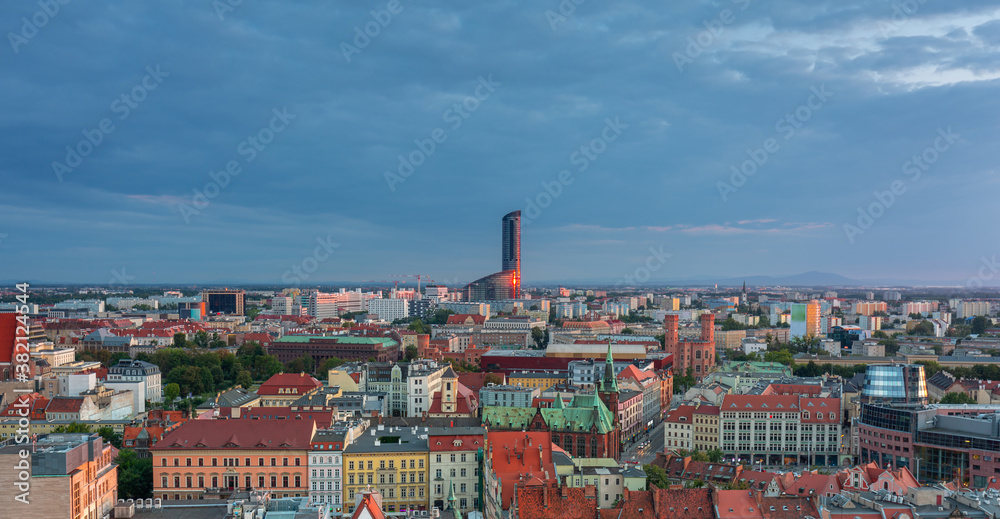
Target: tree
<point x="110" y="436"/>
<point x="418" y="326"/>
<point x="780" y="356"/>
<point x="328" y="364"/>
<point x="492" y="378"/>
<point x="979" y="325"/>
<point x="73" y="428"/>
<point x="180" y="340"/>
<point x="655" y="476"/>
<point x="714" y="455"/>
<point x="628" y="331"/>
<point x="411" y="353"/>
<point x="958" y="398"/>
<point x="440" y="317"/>
<point x="135" y="475"/>
<point x="244" y="379"/>
<point x="171" y="392"/>
<point x="540" y="337"/>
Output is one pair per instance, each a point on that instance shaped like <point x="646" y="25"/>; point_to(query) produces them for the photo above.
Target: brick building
<point x="205" y="459"/>
<point x="73" y="476"/>
<point x="698" y="355"/>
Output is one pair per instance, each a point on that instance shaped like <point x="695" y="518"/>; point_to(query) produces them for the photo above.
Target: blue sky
<point x="664" y="99"/>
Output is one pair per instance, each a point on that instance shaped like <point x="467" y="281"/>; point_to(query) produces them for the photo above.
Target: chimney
<point x="656" y="503"/>
<point x="545" y="497"/>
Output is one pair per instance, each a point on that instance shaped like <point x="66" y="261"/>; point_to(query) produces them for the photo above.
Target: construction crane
<point x="418" y="276"/>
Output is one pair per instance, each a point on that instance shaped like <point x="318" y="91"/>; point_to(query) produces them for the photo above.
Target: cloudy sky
<point x="120" y="119"/>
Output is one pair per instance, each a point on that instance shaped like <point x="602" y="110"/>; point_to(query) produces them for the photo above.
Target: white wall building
<point x="389" y="309"/>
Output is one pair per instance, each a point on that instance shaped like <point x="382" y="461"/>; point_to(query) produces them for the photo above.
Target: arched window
<point x="697" y="354"/>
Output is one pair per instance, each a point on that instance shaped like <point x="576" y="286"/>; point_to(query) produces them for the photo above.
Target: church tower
<point x="608" y="391"/>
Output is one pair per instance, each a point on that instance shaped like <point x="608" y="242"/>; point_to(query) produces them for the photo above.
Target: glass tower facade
<point x="895" y="385"/>
<point x="505" y="284"/>
<point x="510" y="252"/>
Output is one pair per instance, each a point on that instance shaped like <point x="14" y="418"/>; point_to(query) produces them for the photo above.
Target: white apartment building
<point x="422" y="381"/>
<point x="972" y="309"/>
<point x="678" y="429"/>
<point x="389" y="309"/>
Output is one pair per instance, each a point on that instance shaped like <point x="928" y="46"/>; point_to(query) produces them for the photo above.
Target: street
<point x="644" y="455"/>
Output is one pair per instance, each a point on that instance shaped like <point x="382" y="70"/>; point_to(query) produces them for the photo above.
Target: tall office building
<point x="505" y="284"/>
<point x="511" y="248"/>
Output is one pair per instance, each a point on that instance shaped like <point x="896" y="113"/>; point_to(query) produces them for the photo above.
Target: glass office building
<point x="902" y="384"/>
<point x="505" y="284"/>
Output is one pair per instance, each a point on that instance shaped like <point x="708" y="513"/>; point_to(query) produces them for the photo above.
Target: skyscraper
<point x="505" y="284"/>
<point x="510" y="254"/>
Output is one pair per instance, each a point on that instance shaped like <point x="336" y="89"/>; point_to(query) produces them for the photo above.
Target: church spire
<point x="609" y="383"/>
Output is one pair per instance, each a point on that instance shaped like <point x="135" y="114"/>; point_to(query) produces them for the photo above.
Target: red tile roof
<point x="687" y="503"/>
<point x="466" y="319"/>
<point x="369" y="505"/>
<point x="535" y="461"/>
<point x="635" y="373"/>
<point x="476" y="381"/>
<point x="446" y="443"/>
<point x="738" y="504"/>
<point x="748" y="403"/>
<point x="62" y="404"/>
<point x="786" y="507"/>
<point x="235" y="434"/>
<point x="466" y="402"/>
<point x="565" y="503"/>
<point x="300" y="381"/>
<point x="680" y="415"/>
<point x="35" y="410"/>
<point x="323" y="419"/>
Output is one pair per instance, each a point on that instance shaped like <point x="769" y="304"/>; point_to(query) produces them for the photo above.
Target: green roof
<point x="581" y="414"/>
<point x="384" y="341"/>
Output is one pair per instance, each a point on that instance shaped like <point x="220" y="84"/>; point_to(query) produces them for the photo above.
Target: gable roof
<point x="300" y="381"/>
<point x="235" y="434"/>
<point x="368" y="508"/>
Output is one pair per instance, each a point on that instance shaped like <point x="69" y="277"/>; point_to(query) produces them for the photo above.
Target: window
<point x="350" y="465"/>
<point x="188" y="462"/>
<point x="284" y="481"/>
<point x="274" y="481"/>
<point x="274" y="462"/>
<point x="177" y="462"/>
<point x="438" y="459"/>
